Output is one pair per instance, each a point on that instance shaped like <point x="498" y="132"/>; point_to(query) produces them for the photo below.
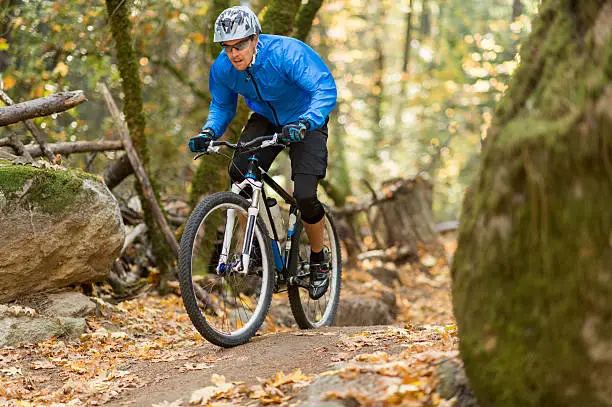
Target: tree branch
<point x="15" y="142"/>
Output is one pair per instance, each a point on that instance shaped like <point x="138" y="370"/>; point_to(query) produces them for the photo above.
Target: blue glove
<point x="200" y="143"/>
<point x="293" y="132"/>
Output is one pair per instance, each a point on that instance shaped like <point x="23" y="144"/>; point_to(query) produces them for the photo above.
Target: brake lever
<point x="210" y="150"/>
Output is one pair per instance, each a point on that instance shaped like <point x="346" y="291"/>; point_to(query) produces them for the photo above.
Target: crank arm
<point x="298" y="282"/>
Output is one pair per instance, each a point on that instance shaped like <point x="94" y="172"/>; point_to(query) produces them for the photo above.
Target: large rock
<point x="57" y="227"/>
<point x="20" y="325"/>
<point x="70" y="304"/>
<point x="360" y="311"/>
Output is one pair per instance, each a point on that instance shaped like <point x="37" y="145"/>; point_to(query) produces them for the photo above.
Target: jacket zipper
<point x="262" y="99"/>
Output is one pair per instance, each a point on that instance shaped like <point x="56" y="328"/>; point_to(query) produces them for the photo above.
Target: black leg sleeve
<point x="305" y="193"/>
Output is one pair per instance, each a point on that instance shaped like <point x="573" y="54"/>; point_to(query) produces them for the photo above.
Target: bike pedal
<point x="299" y="282"/>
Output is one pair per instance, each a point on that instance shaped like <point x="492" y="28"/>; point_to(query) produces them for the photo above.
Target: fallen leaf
<point x="175" y="403"/>
<point x="193" y="366"/>
<point x="202" y="396"/>
<point x="306" y="333"/>
<point x="42" y="364"/>
<point x="12" y="371"/>
<point x="342" y="356"/>
<point x="428" y="260"/>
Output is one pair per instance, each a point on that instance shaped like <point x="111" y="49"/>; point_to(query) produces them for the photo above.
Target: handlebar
<point x="235" y="146"/>
<point x="261" y="142"/>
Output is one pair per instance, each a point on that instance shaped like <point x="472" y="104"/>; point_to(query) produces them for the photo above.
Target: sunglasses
<point x="239" y="46"/>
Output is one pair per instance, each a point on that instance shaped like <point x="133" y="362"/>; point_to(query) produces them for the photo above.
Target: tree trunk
<point x="407" y="41"/>
<point x="375" y="98"/>
<point x="400" y="102"/>
<point x="279" y="17"/>
<point x="517" y="9"/>
<point x="532" y="279"/>
<point x="305" y="17"/>
<point x="398" y="216"/>
<point x="118" y="13"/>
<point x="425" y="24"/>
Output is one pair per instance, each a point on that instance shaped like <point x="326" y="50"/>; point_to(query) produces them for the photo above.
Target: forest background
<point x="418" y="81"/>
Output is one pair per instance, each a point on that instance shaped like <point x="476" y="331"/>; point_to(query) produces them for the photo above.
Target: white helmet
<point x="235" y="23"/>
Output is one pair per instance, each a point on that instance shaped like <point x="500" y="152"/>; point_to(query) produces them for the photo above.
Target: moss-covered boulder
<point x="57" y="227"/>
<point x="532" y="275"/>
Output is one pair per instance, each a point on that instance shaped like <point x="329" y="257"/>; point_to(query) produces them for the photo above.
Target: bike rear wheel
<point x="227" y="307"/>
<point x="309" y="313"/>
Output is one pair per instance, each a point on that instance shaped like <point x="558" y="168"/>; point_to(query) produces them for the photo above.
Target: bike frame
<point x="255" y="178"/>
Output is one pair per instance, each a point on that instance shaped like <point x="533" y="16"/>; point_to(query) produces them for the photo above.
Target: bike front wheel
<point x="309" y="313"/>
<point x="225" y="304"/>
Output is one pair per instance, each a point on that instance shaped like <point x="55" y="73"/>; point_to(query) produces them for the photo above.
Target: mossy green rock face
<point x="532" y="275"/>
<point x="57" y="227"/>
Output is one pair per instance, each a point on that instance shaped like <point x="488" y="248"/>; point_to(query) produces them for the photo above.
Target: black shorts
<point x="307" y="157"/>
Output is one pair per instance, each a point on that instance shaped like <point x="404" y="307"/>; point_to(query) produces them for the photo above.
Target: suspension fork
<point x="250" y="231"/>
<point x="253" y="211"/>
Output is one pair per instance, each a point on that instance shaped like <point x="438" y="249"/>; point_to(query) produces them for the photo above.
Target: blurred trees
<point x="445" y="64"/>
<point x="408" y="104"/>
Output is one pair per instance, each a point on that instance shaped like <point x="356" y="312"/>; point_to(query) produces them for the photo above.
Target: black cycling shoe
<point x="319" y="277"/>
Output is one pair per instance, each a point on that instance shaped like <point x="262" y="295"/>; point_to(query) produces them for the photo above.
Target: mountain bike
<point x="233" y="257"/>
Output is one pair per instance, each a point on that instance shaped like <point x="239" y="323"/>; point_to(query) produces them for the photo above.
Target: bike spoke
<point x="236" y="295"/>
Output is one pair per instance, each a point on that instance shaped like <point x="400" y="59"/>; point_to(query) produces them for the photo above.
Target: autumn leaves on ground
<point x="146" y="352"/>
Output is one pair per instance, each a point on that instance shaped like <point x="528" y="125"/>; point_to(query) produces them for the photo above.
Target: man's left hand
<point x="294" y="132"/>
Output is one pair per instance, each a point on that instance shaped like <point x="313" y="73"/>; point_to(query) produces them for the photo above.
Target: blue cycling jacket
<point x="287" y="82"/>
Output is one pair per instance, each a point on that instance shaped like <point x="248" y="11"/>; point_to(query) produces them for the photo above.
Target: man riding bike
<point x="290" y="90"/>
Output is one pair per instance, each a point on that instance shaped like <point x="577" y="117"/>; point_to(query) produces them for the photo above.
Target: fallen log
<point x="139" y="170"/>
<point x="40" y="107"/>
<point x="76" y="147"/>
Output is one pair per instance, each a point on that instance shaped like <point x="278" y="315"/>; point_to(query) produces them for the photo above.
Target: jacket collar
<point x="259" y="53"/>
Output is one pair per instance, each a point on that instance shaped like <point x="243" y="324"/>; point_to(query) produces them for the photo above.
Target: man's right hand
<point x="200" y="143"/>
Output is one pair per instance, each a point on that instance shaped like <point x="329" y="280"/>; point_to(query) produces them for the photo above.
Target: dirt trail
<point x="145" y="352"/>
<point x="310" y="351"/>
